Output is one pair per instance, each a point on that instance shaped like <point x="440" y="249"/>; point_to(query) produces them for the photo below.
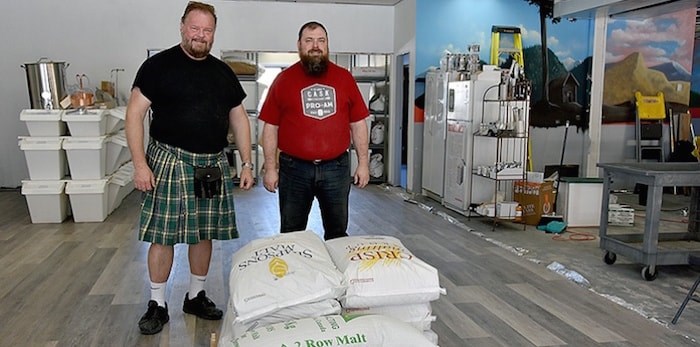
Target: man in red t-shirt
<point x="312" y="111"/>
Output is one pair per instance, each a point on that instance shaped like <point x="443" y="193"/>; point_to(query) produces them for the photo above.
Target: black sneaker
<point x="201" y="307"/>
<point x="153" y="320"/>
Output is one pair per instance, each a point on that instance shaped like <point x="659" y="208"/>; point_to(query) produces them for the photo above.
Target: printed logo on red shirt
<point x="318" y="101"/>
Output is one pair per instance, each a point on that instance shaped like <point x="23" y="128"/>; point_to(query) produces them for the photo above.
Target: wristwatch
<point x="248" y="165"/>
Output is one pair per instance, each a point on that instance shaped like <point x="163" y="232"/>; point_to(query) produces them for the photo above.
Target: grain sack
<point x="288" y="269"/>
<point x="377" y="134"/>
<point x="307" y="310"/>
<point x="336" y="331"/>
<point x="418" y="315"/>
<point x="376" y="165"/>
<point x="431" y="336"/>
<point x="380" y="271"/>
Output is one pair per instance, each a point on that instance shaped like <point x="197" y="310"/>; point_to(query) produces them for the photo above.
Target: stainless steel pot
<point x="46" y="82"/>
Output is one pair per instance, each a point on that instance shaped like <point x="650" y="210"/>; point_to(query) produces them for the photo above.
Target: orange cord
<point x="574" y="236"/>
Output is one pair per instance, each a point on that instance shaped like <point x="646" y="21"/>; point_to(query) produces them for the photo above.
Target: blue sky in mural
<point x="662" y="39"/>
<point x="453" y="24"/>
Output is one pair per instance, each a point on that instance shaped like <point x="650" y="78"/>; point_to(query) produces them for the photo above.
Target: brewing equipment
<point x="45" y="83"/>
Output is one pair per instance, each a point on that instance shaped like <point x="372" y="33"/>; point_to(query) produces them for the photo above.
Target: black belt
<point x="314" y="162"/>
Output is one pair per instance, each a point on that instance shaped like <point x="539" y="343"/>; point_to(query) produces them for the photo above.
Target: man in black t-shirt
<point x="185" y="177"/>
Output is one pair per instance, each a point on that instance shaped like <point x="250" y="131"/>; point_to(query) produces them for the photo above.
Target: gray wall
<point x="94" y="37"/>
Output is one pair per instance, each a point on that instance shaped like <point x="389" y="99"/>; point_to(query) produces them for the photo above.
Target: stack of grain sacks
<point x="288" y="288"/>
<point x="280" y="278"/>
<point x="384" y="277"/>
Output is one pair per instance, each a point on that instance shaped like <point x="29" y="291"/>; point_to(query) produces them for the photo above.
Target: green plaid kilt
<point x="170" y="213"/>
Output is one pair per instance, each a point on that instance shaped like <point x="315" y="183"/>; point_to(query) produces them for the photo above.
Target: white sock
<point x="196" y="285"/>
<point x="158" y="293"/>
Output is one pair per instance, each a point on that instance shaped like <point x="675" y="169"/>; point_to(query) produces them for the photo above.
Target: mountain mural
<point x="673" y="71"/>
<point x="552" y="111"/>
<point x="624" y="78"/>
<point x="532" y="56"/>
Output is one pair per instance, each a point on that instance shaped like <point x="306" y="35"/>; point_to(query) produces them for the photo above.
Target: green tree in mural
<point x="546" y="11"/>
<point x="546" y="112"/>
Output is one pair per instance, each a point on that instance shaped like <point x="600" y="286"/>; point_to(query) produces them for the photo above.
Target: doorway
<point x="404" y="120"/>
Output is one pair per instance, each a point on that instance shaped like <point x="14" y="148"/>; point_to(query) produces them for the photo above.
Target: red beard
<point x="314" y="65"/>
<point x="198" y="52"/>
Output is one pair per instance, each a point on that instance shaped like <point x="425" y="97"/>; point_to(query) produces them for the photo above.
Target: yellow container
<point x="650" y="107"/>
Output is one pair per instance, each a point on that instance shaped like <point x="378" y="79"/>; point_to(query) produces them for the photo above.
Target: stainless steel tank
<point x="46" y="83"/>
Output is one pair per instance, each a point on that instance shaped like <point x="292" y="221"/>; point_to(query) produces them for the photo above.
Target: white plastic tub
<point x="47" y="201"/>
<point x="86" y="123"/>
<point x="117" y="152"/>
<point x="121" y="183"/>
<point x="44" y="156"/>
<point x="43" y="122"/>
<point x="86" y="156"/>
<point x="89" y="200"/>
<point x="115" y="119"/>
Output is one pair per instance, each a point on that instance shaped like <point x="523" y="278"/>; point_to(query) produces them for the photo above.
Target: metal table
<point x="643" y="248"/>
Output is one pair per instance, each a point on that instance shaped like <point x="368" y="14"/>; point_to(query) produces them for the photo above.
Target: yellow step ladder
<point x="506" y="40"/>
<point x="650" y="116"/>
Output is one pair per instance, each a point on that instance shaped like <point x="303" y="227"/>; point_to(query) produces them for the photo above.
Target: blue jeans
<point x="300" y="181"/>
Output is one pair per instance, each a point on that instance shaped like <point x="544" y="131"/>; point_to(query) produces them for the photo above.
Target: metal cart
<point x="644" y="249"/>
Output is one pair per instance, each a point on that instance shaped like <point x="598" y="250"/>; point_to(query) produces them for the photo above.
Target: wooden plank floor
<point x="85" y="284"/>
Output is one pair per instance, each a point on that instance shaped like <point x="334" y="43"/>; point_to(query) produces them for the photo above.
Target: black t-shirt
<point x="190" y="99"/>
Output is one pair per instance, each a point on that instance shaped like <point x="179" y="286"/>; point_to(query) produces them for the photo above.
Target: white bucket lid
<point x="119" y="138"/>
<point x="121" y="179"/>
<point x="42" y="187"/>
<point x="86" y="116"/>
<point x="40" y="143"/>
<point x="127" y="168"/>
<point x="84" y="142"/>
<point x="40" y="115"/>
<point x="86" y="186"/>
<point x="118" y="112"/>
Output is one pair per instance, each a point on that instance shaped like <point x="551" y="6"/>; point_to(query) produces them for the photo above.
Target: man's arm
<point x="135" y="114"/>
<point x="360" y="140"/>
<point x="269" y="142"/>
<point x="238" y="120"/>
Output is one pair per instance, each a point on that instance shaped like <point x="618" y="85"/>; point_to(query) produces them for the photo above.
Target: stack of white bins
<point x="96" y="150"/>
<point x="75" y="173"/>
<point x="46" y="161"/>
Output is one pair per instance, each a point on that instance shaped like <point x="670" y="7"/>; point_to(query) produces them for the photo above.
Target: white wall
<point x="617" y="145"/>
<point x="94" y="37"/>
<point x="405" y="43"/>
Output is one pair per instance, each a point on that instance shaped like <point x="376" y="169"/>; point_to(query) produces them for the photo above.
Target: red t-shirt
<point x="314" y="112"/>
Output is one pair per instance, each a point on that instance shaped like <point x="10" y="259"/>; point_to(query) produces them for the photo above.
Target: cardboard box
<point x="536" y="199"/>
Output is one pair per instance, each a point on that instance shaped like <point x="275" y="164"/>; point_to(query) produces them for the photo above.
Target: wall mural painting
<point x="453" y="25"/>
<point x="648" y="55"/>
<point x="695" y="82"/>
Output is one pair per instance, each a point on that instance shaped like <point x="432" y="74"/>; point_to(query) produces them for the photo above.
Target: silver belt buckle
<point x="317" y="161"/>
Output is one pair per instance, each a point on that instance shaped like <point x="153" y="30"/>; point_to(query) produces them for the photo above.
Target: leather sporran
<point x="207" y="182"/>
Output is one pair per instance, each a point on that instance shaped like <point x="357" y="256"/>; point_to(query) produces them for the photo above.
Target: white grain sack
<point x="336" y="331"/>
<point x="380" y="271"/>
<point x="284" y="270"/>
<point x="308" y="310"/>
<point x="418" y="315"/>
